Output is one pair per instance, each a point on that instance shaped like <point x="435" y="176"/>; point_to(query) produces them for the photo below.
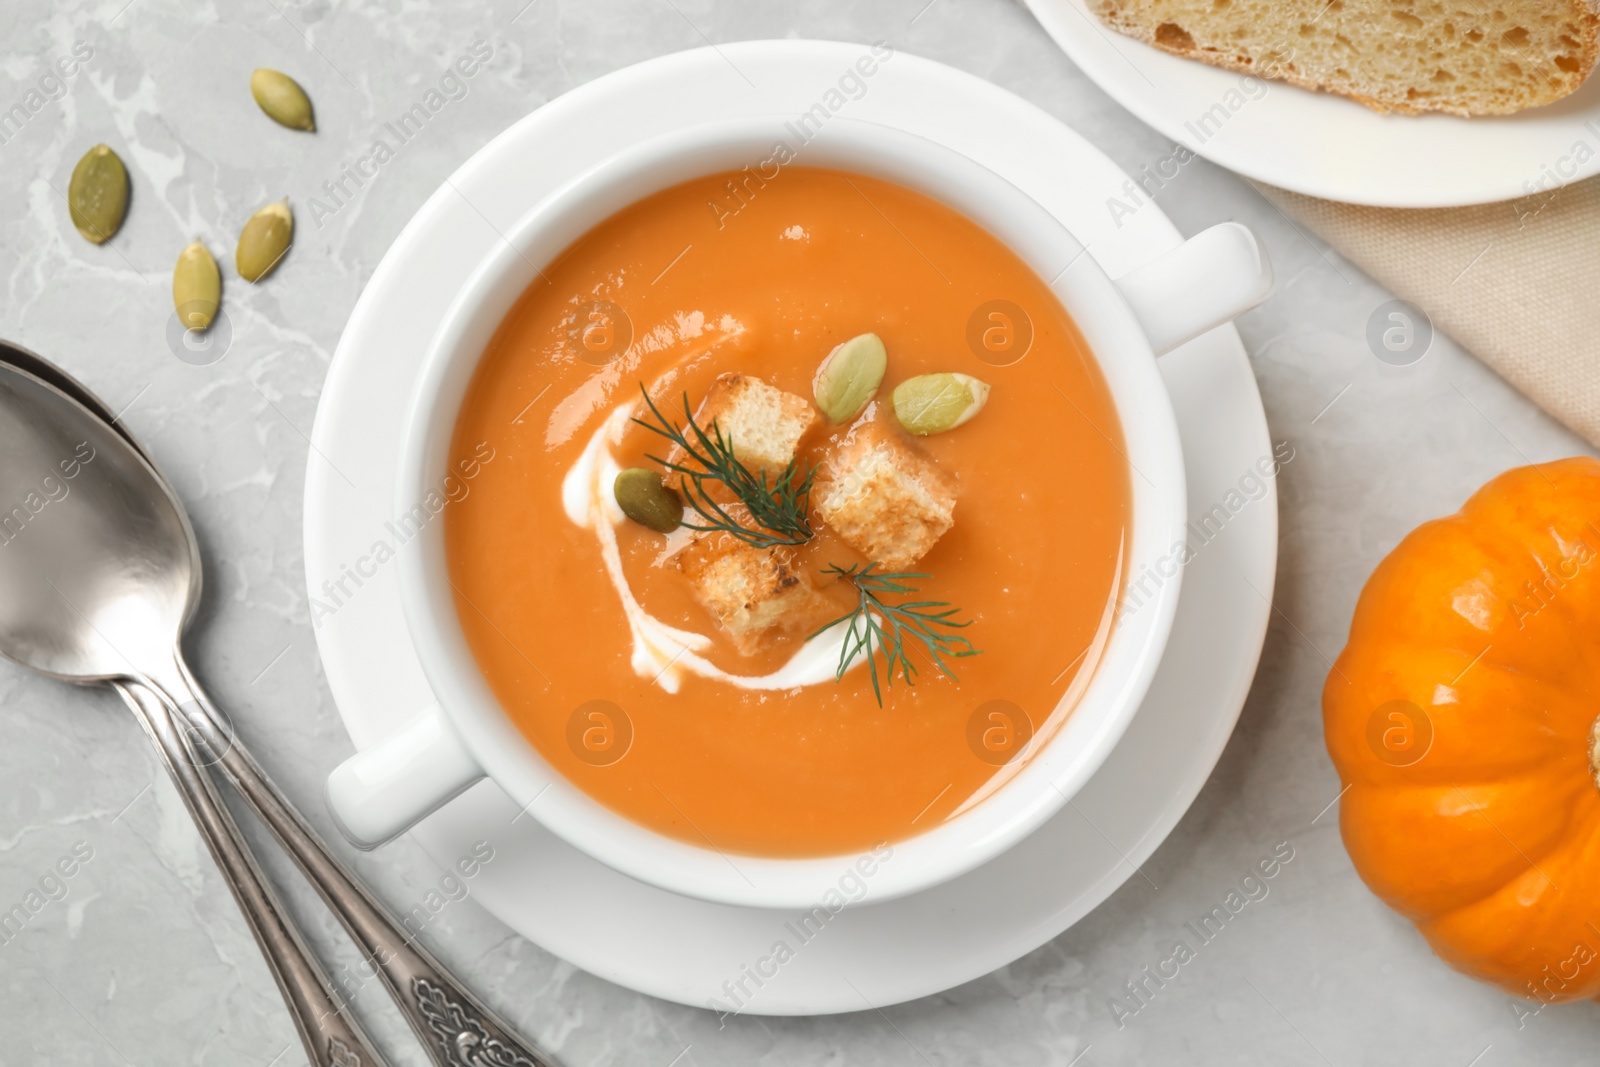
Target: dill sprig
<point x="780" y="510"/>
<point x="883" y="628"/>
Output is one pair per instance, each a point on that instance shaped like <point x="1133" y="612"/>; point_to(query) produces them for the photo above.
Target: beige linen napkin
<point x="1516" y="283"/>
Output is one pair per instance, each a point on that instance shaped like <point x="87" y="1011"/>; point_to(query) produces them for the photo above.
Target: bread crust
<point x="1585" y="15"/>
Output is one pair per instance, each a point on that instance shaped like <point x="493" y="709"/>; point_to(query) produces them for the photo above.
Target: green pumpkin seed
<point x="196" y="287"/>
<point x="264" y="240"/>
<point x="850" y="377"/>
<point x="645" y="499"/>
<point x="281" y="97"/>
<point x="934" y="403"/>
<point x="97" y="196"/>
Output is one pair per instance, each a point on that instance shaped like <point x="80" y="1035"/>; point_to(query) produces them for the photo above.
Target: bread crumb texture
<point x="764" y="424"/>
<point x="1408" y="56"/>
<point x="754" y="594"/>
<point x="883" y="497"/>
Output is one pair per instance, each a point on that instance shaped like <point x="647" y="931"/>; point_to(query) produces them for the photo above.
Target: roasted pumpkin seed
<point x="646" y="499"/>
<point x="850" y="377"/>
<point x="934" y="403"/>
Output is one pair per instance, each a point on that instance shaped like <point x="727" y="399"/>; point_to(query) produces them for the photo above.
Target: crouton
<point x="755" y="594"/>
<point x="885" y="498"/>
<point x="763" y="423"/>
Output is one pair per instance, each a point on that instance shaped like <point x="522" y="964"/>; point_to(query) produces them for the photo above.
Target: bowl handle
<point x="1211" y="278"/>
<point x="381" y="792"/>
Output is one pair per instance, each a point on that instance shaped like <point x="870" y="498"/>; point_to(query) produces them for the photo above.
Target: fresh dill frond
<point x="780" y="511"/>
<point x="880" y="629"/>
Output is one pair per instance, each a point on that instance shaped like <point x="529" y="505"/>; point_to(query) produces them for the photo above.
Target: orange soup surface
<point x="763" y="280"/>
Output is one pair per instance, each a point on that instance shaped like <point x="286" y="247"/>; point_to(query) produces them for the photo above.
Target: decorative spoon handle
<point x="331" y="1036"/>
<point x="456" y="1029"/>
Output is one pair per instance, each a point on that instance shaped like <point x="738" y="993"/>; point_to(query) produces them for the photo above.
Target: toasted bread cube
<point x="763" y="423"/>
<point x="884" y="497"/>
<point x="755" y="594"/>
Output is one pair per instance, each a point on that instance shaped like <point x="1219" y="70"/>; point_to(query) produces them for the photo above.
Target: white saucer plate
<point x="1326" y="145"/>
<point x="686" y="950"/>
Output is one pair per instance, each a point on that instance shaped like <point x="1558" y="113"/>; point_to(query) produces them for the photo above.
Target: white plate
<point x="683" y="949"/>
<point x="1326" y="145"/>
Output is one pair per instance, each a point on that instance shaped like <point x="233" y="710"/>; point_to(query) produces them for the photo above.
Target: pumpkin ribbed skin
<point x="1487" y="623"/>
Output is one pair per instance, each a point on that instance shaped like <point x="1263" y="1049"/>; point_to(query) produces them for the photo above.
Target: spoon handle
<point x="331" y="1036"/>
<point x="455" y="1028"/>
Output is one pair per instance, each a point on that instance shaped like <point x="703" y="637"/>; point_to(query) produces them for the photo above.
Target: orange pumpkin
<point x="1462" y="719"/>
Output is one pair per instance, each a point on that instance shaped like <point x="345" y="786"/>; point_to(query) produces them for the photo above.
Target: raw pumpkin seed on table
<point x="849" y="377"/>
<point x="263" y="241"/>
<point x="281" y="97"/>
<point x="196" y="287"/>
<point x="97" y="195"/>
<point x="933" y="403"/>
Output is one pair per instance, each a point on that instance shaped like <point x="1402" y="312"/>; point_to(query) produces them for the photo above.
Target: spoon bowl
<point x="99" y="568"/>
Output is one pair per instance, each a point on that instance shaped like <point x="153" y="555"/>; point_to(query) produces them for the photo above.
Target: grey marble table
<point x="140" y="957"/>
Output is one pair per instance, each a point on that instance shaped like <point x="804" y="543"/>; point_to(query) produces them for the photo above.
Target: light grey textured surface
<point x="143" y="959"/>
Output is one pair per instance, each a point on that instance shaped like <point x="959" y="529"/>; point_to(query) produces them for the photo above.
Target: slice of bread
<point x="1464" y="57"/>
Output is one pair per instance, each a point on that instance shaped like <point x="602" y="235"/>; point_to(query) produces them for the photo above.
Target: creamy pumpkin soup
<point x="807" y="510"/>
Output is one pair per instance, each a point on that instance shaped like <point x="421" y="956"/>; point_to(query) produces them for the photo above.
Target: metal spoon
<point x="103" y="596"/>
<point x="64" y="587"/>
